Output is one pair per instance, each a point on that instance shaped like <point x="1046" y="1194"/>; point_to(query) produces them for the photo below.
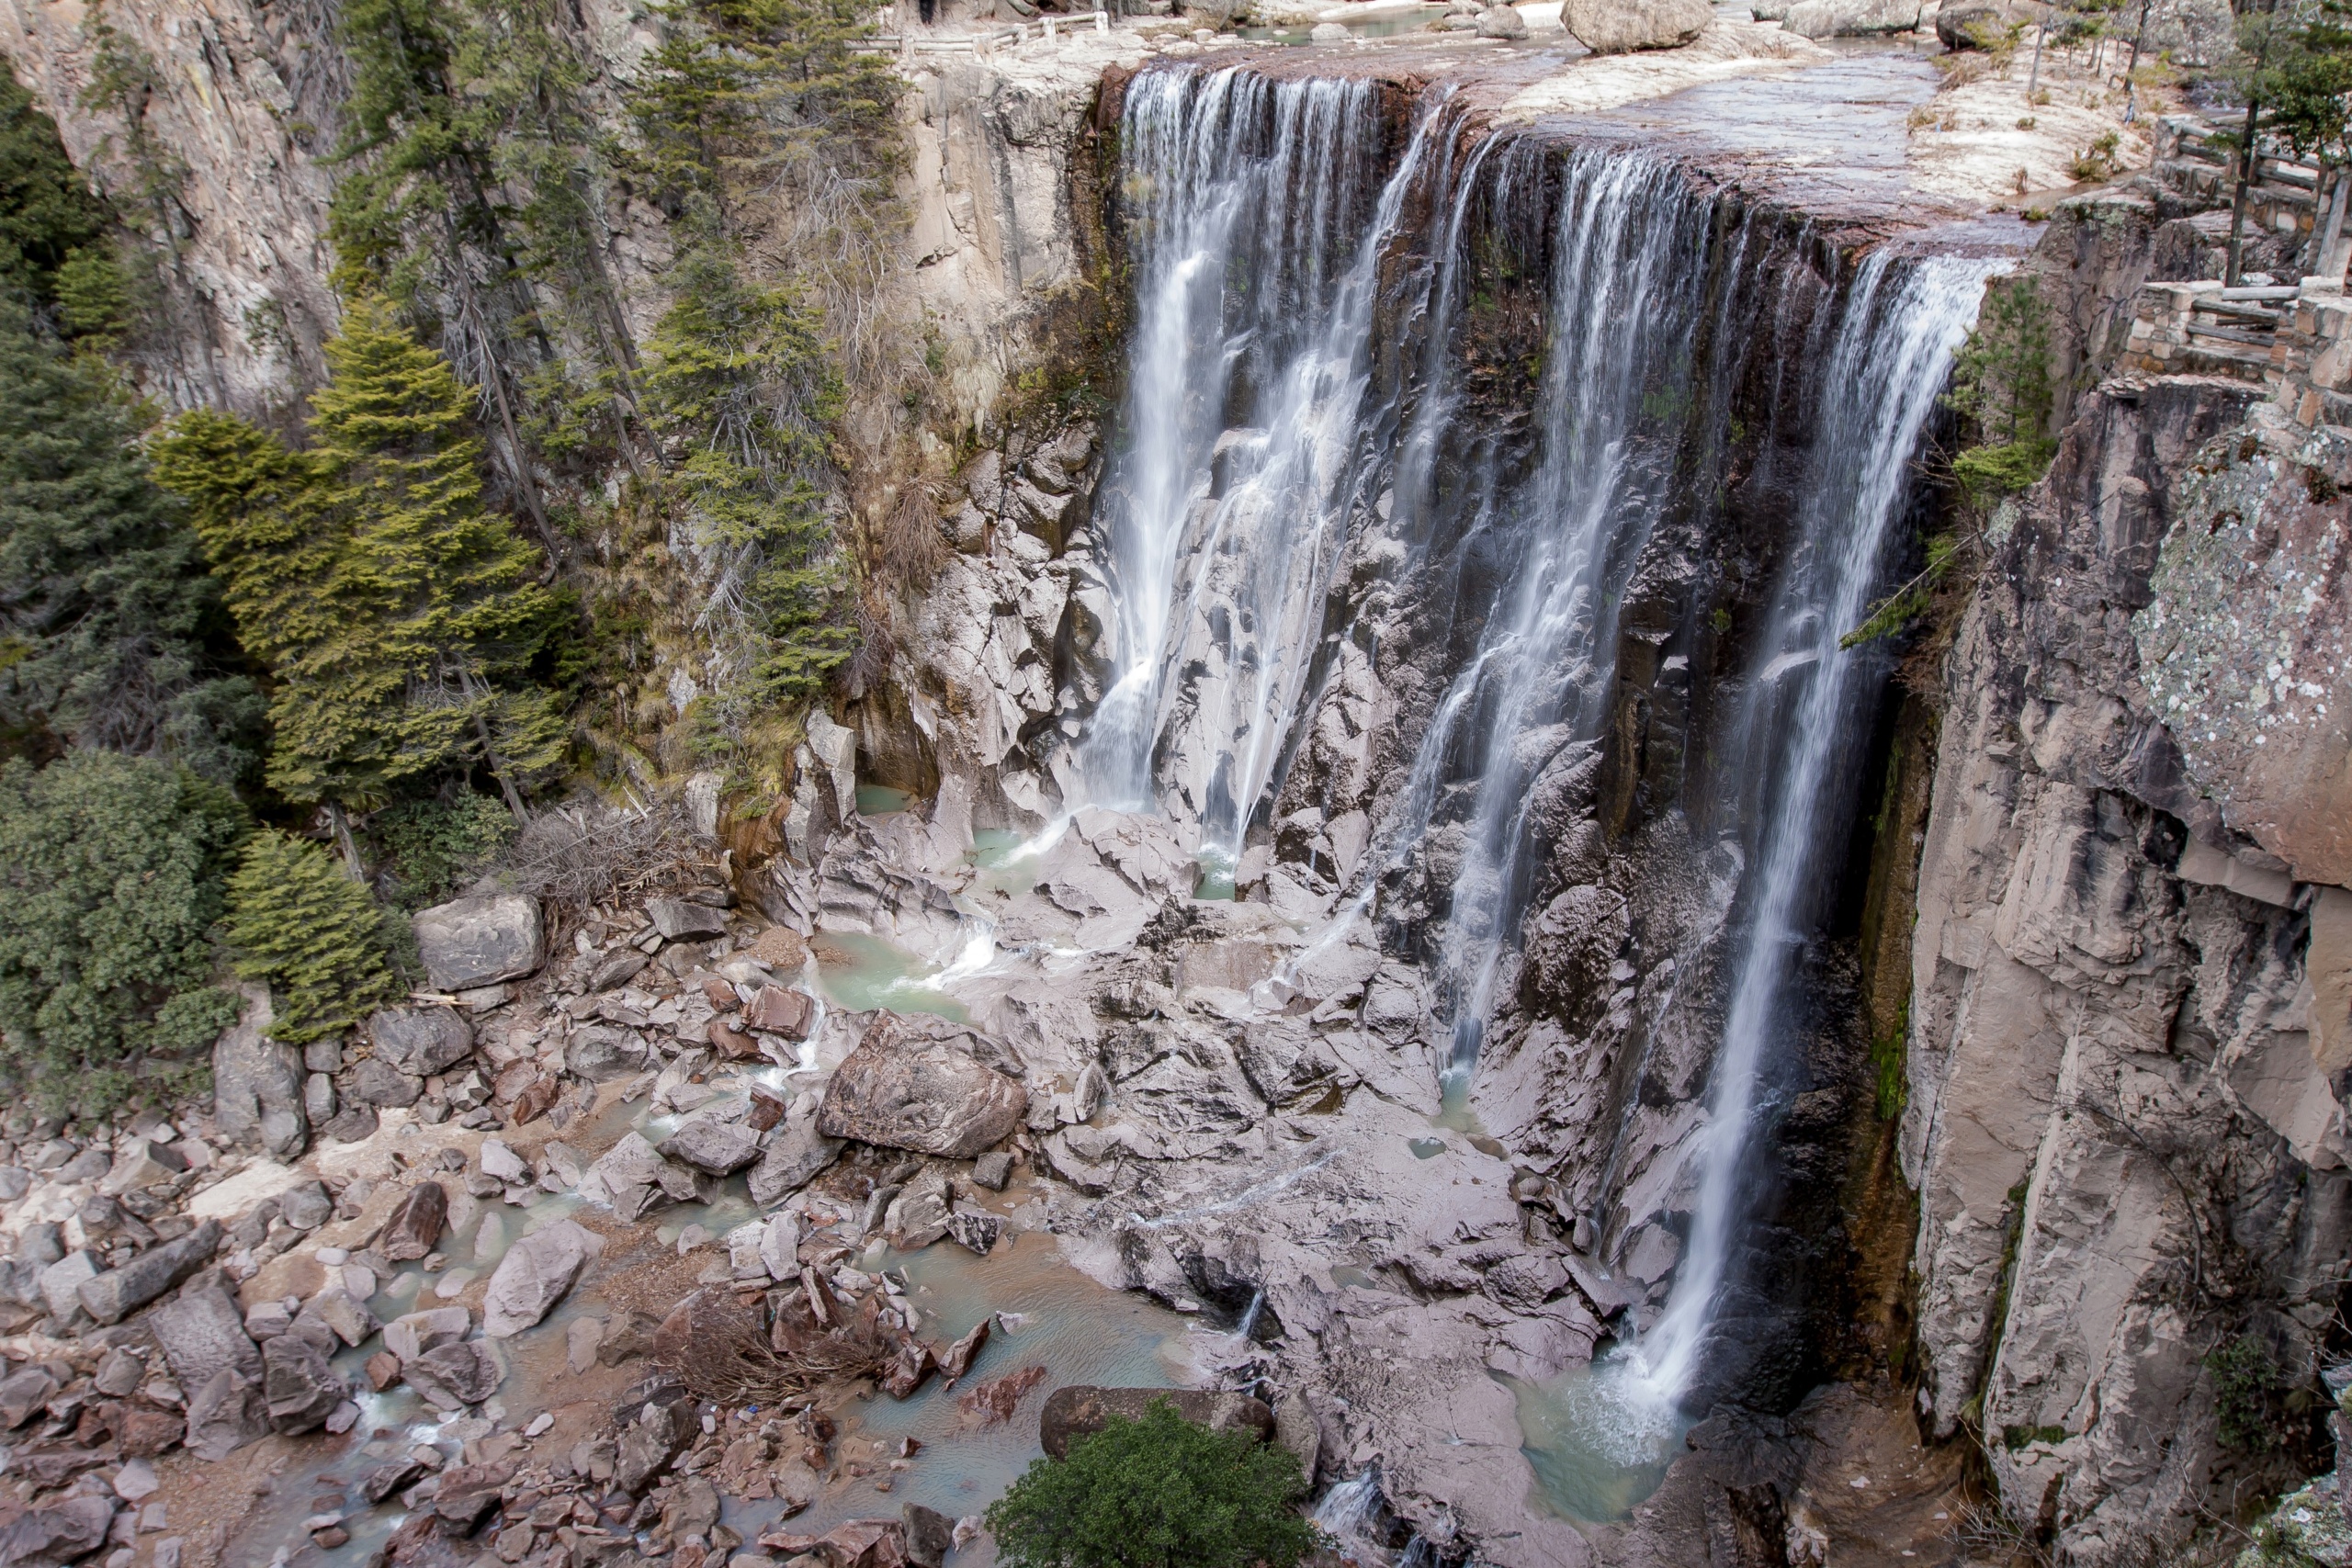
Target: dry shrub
<point x="582" y="854"/>
<point x="911" y="550"/>
<point x="719" y="1348"/>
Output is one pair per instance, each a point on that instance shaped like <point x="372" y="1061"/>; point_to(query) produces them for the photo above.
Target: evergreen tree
<point x="113" y="871"/>
<point x="396" y="613"/>
<point x="47" y="210"/>
<point x="1156" y="1493"/>
<point x="298" y="925"/>
<point x="114" y="637"/>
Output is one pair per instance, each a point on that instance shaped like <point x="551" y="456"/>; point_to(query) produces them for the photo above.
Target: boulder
<point x="336" y="1311"/>
<point x="1622" y="26"/>
<point x="62" y="1533"/>
<point x="23" y="1394"/>
<point x="793" y="1156"/>
<point x="139" y="1163"/>
<point x="224" y="1414"/>
<point x="466" y="1493"/>
<point x="415" y="1227"/>
<point x="300" y="1389"/>
<point x="376" y="1082"/>
<point x="501" y="1163"/>
<point x="647" y="1445"/>
<point x="306" y="1206"/>
<point x="915" y="1082"/>
<point x="413" y="1334"/>
<point x="976" y="1230"/>
<point x="780" y="1246"/>
<point x="1852" y="18"/>
<point x="779" y="1010"/>
<point x="421" y="1040"/>
<point x="61" y="1282"/>
<point x="708" y="1144"/>
<point x="455" y="1374"/>
<point x="957" y="1358"/>
<point x="1501" y="22"/>
<point x="993" y="1170"/>
<point x="353" y="1125"/>
<point x="1080" y="1411"/>
<point x="202" y="1333"/>
<point x="616" y="969"/>
<point x="480" y="942"/>
<point x="677" y="919"/>
<point x="533" y="1276"/>
<point x="930" y="1535"/>
<point x="255" y="1081"/>
<point x="115" y="1295"/>
<point x="601" y="1053"/>
<point x="634" y="1178"/>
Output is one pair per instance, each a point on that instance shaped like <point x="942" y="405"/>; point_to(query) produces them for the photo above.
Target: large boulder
<point x="415" y="1226"/>
<point x="453" y="1375"/>
<point x="1621" y="26"/>
<point x="480" y="942"/>
<point x="677" y="919"/>
<point x="118" y="1292"/>
<point x="376" y="1082"/>
<point x="796" y="1153"/>
<point x="603" y="1052"/>
<point x="421" y="1040"/>
<point x="1852" y="18"/>
<point x="225" y="1413"/>
<point x="634" y="1178"/>
<point x="533" y="1276"/>
<point x="721" y="1148"/>
<point x="202" y="1333"/>
<point x="916" y="1082"/>
<point x="62" y="1533"/>
<point x="411" y="1335"/>
<point x="298" y="1388"/>
<point x="1080" y="1411"/>
<point x="258" y="1083"/>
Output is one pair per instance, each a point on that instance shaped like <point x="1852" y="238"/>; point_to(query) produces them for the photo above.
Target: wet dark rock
<point x="300" y="1389"/>
<point x="224" y="1414"/>
<point x="385" y="1479"/>
<point x="118" y="1292"/>
<point x="1080" y="1411"/>
<point x="993" y="1170"/>
<point x="421" y="1040"/>
<point x="931" y="1536"/>
<point x="917" y="1082"/>
<point x="975" y="1229"/>
<point x="469" y="942"/>
<point x="415" y="1227"/>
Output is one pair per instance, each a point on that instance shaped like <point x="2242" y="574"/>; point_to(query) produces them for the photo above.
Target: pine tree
<point x="47" y="210"/>
<point x="114" y="634"/>
<point x="396" y="613"/>
<point x="111" y="877"/>
<point x="298" y="925"/>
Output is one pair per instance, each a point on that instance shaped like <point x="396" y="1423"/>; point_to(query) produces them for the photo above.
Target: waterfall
<point x="1803" y="725"/>
<point x="1246" y="424"/>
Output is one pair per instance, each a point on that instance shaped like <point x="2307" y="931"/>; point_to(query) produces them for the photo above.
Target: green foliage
<point x="431" y="848"/>
<point x="2097" y="162"/>
<point x="113" y="635"/>
<point x="740" y="391"/>
<point x="1897" y="612"/>
<point x="2296" y="63"/>
<point x="1887" y="1064"/>
<point x="1157" y="1492"/>
<point x="113" y="867"/>
<point x="396" y="613"/>
<point x="47" y="210"/>
<point x="95" y="296"/>
<point x="298" y="924"/>
<point x="2000" y="377"/>
<point x="2247" y="1394"/>
<point x="2014" y="1437"/>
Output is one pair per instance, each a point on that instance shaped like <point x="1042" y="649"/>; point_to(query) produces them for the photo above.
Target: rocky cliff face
<point x="2127" y="1151"/>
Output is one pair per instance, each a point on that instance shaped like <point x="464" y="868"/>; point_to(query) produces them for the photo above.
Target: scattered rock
<point x="376" y="1082"/>
<point x="306" y="1207"/>
<point x="353" y="1125"/>
<point x="413" y="1334"/>
<point x="792" y="1158"/>
<point x="22" y="1394"/>
<point x="957" y="1358"/>
<point x="1501" y="22"/>
<point x="480" y="942"/>
<point x="298" y="1387"/>
<point x="914" y="1083"/>
<point x="502" y="1162"/>
<point x="383" y="1369"/>
<point x="533" y="1276"/>
<point x="778" y="1010"/>
<point x="414" y="1228"/>
<point x="336" y="1310"/>
<point x="224" y="1414"/>
<point x="453" y="1374"/>
<point x="421" y="1040"/>
<point x="60" y="1533"/>
<point x="677" y="919"/>
<point x="617" y="969"/>
<point x="993" y="1170"/>
<point x="708" y="1144"/>
<point x="138" y="1164"/>
<point x="115" y="1295"/>
<point x="202" y="1333"/>
<point x="61" y="1282"/>
<point x="602" y="1053"/>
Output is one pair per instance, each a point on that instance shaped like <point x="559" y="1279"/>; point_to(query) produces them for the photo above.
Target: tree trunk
<point x="344" y="842"/>
<point x="2246" y="160"/>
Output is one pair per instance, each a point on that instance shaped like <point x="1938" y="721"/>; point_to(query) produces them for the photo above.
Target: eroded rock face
<point x="916" y="1082"/>
<point x="2111" y="1075"/>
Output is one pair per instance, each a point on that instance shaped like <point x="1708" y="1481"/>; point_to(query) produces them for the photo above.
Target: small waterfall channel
<point x="1321" y="393"/>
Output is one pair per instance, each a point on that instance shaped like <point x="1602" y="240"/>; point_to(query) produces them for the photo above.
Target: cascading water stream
<point x="1803" y="714"/>
<point x="1257" y="289"/>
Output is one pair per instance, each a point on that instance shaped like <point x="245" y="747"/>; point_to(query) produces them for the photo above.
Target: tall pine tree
<point x="397" y="613"/>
